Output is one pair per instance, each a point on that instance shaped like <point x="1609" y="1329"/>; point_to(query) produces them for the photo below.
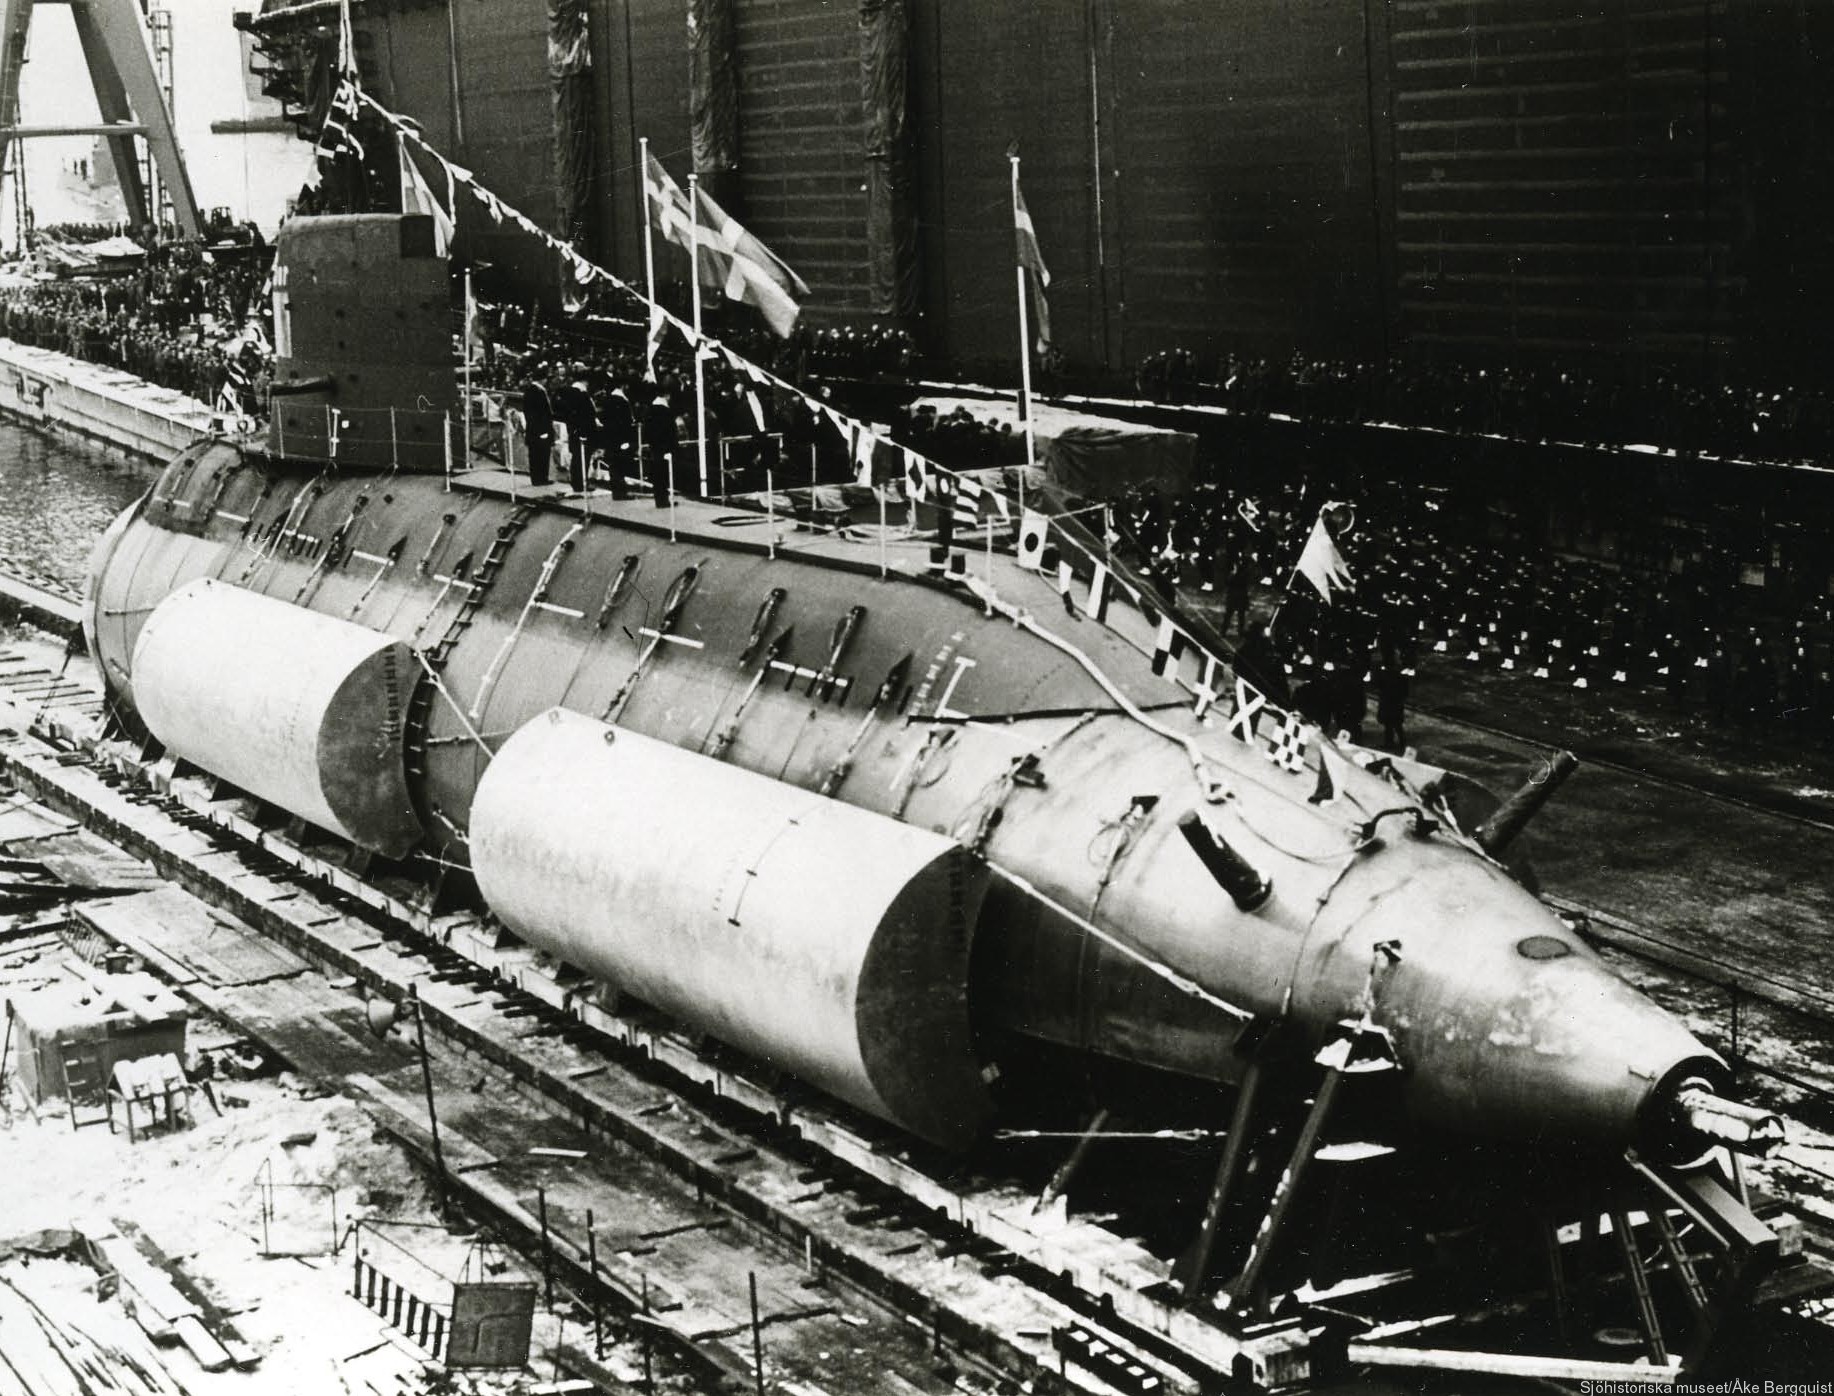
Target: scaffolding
<point x="129" y="57"/>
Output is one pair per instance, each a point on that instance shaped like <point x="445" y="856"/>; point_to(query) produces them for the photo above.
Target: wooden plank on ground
<point x="31" y="822"/>
<point x="170" y="925"/>
<point x="80" y="859"/>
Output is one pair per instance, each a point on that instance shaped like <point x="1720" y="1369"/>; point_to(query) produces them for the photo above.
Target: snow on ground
<point x="194" y="1194"/>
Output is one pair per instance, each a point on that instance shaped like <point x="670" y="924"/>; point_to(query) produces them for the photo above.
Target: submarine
<point x="888" y="829"/>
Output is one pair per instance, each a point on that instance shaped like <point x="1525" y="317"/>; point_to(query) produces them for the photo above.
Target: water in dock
<point x="57" y="494"/>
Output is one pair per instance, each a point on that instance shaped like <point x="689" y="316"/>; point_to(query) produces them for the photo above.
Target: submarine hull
<point x="818" y="670"/>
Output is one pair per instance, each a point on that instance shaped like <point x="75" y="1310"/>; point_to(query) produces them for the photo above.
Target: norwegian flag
<point x="1032" y="260"/>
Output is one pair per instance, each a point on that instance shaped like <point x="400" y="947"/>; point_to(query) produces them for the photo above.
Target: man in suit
<point x="660" y="437"/>
<point x="538" y="424"/>
<point x="618" y="439"/>
<point x="573" y="405"/>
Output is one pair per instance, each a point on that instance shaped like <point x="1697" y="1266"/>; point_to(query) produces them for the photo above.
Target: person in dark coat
<point x="1258" y="660"/>
<point x="1235" y="592"/>
<point x="1349" y="699"/>
<point x="659" y="438"/>
<point x="573" y="405"/>
<point x="618" y="440"/>
<point x="538" y="425"/>
<point x="1391" y="685"/>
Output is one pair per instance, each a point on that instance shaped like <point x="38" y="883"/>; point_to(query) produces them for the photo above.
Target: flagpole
<point x="700" y="363"/>
<point x="1025" y="353"/>
<point x="988" y="525"/>
<point x="1280" y="601"/>
<point x="879" y="491"/>
<point x="649" y="255"/>
<point x="770" y="515"/>
<point x="469" y="312"/>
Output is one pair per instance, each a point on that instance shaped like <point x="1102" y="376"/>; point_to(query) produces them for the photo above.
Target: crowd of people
<point x="81" y="233"/>
<point x="173" y="321"/>
<point x="1430" y="589"/>
<point x="1665" y="409"/>
<point x="962" y="439"/>
<point x="587" y="411"/>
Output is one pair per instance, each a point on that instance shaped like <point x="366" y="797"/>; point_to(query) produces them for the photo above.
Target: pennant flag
<point x="1033" y="261"/>
<point x="653" y="341"/>
<point x="1207" y="692"/>
<point x="916" y="476"/>
<point x="942" y="489"/>
<point x="865" y="443"/>
<point x="1066" y="581"/>
<point x="884" y="463"/>
<point x="1034" y="533"/>
<point x="1167" y="646"/>
<point x="756" y="404"/>
<point x="455" y="175"/>
<point x="1286" y="744"/>
<point x="474" y="325"/>
<point x="967" y="502"/>
<point x="1321" y="564"/>
<point x="1324" y="792"/>
<point x="417" y="197"/>
<point x="1249" y="701"/>
<point x="1095" y="605"/>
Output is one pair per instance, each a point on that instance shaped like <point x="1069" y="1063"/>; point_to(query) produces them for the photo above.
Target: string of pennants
<point x="880" y="462"/>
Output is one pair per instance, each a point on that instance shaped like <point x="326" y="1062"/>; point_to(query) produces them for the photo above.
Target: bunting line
<point x="920" y="478"/>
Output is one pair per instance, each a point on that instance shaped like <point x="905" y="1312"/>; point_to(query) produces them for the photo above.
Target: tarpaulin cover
<point x="1084" y="454"/>
<point x="713" y="89"/>
<point x="891" y="224"/>
<point x="570" y="72"/>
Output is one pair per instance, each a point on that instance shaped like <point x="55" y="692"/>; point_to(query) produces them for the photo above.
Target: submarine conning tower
<point x="363" y="371"/>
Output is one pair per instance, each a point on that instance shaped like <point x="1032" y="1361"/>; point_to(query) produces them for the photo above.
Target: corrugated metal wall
<point x="1241" y="152"/>
<point x="507" y="115"/>
<point x="640" y="54"/>
<point x="801" y="143"/>
<point x="1647" y="184"/>
<point x="1781" y="55"/>
<point x="1563" y="176"/>
<point x="989" y="77"/>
